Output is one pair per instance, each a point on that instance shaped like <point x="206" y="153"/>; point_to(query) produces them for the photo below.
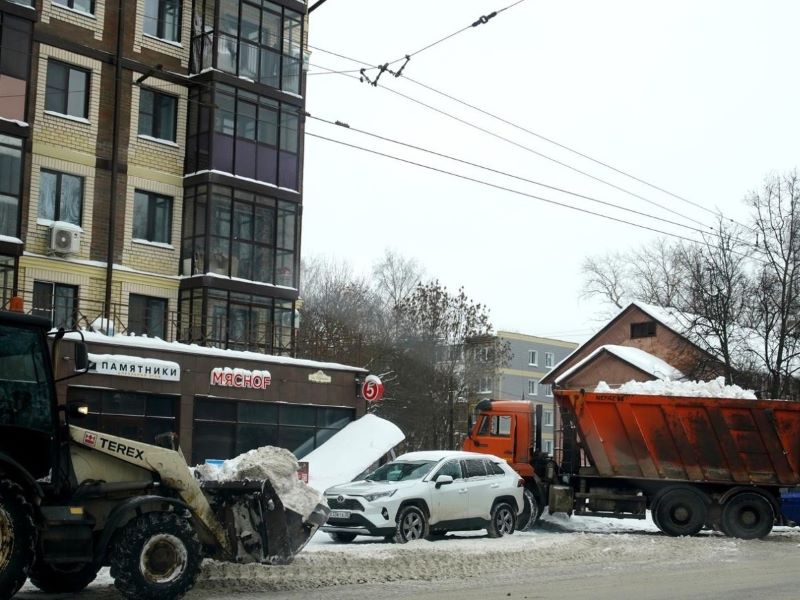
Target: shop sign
<point x="134" y="366"/>
<point x="240" y="378"/>
<point x="372" y="388"/>
<point x="319" y="377"/>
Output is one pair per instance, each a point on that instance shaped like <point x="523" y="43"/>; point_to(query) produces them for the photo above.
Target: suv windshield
<point x="401" y="471"/>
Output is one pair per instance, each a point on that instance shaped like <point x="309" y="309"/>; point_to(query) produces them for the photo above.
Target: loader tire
<point x="17" y="538"/>
<point x="156" y="556"/>
<point x="63" y="579"/>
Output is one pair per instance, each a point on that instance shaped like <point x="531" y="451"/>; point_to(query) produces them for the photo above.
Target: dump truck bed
<point x="711" y="440"/>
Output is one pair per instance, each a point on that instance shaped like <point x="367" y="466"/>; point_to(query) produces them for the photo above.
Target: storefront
<point x="220" y="403"/>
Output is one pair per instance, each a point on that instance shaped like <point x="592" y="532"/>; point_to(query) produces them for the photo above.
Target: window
<point x="485" y="385"/>
<point x="134" y="415"/>
<point x="67" y="89"/>
<point x="548" y="446"/>
<point x="162" y="19"/>
<point x="10" y="178"/>
<point x="498" y="425"/>
<point x="15" y="42"/>
<point x="475" y="467"/>
<point x="642" y="330"/>
<point x="533" y="387"/>
<point x="533" y="358"/>
<point x="158" y="114"/>
<point x="23" y="374"/>
<point x="493" y="468"/>
<point x="60" y="197"/>
<point x="147" y="315"/>
<point x="57" y="302"/>
<point x="547" y="390"/>
<point x="547" y="418"/>
<point x="549" y="359"/>
<point x="261" y="41"/>
<point x="452" y="468"/>
<point x="152" y="217"/>
<point x="227" y="428"/>
<point x="85" y="6"/>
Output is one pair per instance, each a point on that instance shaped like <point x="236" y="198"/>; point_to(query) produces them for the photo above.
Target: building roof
<point x="144" y="342"/>
<point x="639" y="359"/>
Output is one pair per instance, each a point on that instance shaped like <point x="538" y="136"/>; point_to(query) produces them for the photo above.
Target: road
<point x="597" y="559"/>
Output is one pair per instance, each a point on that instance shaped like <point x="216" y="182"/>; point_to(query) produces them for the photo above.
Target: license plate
<point x="339" y="514"/>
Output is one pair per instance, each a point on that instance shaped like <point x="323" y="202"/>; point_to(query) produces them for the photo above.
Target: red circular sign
<point x="372" y="388"/>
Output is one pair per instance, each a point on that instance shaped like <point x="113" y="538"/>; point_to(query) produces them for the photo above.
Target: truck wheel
<point x="342" y="538"/>
<point x="63" y="579"/>
<point x="531" y="511"/>
<point x="157" y="555"/>
<point x="503" y="519"/>
<point x="411" y="525"/>
<point x="747" y="516"/>
<point x="17" y="538"/>
<point x="680" y="511"/>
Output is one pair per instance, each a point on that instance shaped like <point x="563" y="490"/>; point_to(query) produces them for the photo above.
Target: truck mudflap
<point x="259" y="527"/>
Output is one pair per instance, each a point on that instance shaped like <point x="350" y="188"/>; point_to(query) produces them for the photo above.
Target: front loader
<point x="73" y="500"/>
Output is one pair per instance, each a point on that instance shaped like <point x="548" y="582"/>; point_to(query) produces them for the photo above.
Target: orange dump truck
<point x="693" y="462"/>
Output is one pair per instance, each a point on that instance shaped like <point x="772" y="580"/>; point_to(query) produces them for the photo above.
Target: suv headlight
<point x="378" y="495"/>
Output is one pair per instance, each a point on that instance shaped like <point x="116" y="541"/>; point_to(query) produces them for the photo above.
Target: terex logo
<point x="113" y="446"/>
<point x="89" y="439"/>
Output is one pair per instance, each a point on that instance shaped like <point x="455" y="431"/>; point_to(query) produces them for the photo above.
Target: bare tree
<point x="776" y="297"/>
<point x="396" y="277"/>
<point x="607" y="277"/>
<point x="430" y="367"/>
<point x="657" y="273"/>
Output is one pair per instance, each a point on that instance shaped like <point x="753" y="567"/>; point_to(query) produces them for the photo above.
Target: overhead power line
<point x="533" y="151"/>
<point x="506" y="174"/>
<point x="513" y="191"/>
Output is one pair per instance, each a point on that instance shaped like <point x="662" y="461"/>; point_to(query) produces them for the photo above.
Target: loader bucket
<point x="259" y="527"/>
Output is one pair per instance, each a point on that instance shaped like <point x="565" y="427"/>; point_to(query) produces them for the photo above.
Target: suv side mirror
<point x="443" y="480"/>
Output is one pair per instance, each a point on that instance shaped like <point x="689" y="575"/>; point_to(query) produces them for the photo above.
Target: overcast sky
<point x="699" y="98"/>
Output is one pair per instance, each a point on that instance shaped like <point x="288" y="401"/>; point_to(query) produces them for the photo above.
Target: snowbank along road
<point x="560" y="548"/>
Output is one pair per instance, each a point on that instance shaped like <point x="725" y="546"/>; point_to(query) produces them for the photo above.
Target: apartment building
<point x="167" y="135"/>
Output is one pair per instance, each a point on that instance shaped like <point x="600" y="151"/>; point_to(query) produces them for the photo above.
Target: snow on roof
<point x="441" y="455"/>
<point x="151" y="343"/>
<point x="699" y="389"/>
<point x="350" y="451"/>
<point x="644" y="361"/>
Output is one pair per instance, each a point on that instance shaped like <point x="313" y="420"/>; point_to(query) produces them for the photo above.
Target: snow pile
<point x="350" y="451"/>
<point x="701" y="389"/>
<point x="268" y="462"/>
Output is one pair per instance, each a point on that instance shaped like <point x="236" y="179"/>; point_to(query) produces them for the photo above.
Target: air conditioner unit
<point x="64" y="239"/>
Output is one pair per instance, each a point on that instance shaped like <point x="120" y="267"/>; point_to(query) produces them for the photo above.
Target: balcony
<point x="65" y="308"/>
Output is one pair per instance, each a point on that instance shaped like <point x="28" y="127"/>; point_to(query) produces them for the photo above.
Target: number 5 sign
<point x="372" y="388"/>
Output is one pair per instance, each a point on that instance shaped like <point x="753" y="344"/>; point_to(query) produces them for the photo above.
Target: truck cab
<point x="512" y="430"/>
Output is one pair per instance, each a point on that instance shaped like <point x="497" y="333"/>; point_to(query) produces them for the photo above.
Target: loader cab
<point x="28" y="420"/>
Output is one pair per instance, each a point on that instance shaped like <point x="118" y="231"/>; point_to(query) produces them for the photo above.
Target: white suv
<point x="423" y="494"/>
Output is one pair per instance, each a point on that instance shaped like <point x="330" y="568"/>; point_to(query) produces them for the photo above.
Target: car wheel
<point x="342" y="537"/>
<point x="502" y="520"/>
<point x="411" y="525"/>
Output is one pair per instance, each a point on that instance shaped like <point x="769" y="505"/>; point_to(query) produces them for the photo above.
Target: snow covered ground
<point x="559" y="547"/>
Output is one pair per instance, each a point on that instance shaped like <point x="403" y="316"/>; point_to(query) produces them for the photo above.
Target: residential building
<point x="150" y="183"/>
<point x="531" y="358"/>
<point x="167" y="135"/>
<point x="650" y="329"/>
